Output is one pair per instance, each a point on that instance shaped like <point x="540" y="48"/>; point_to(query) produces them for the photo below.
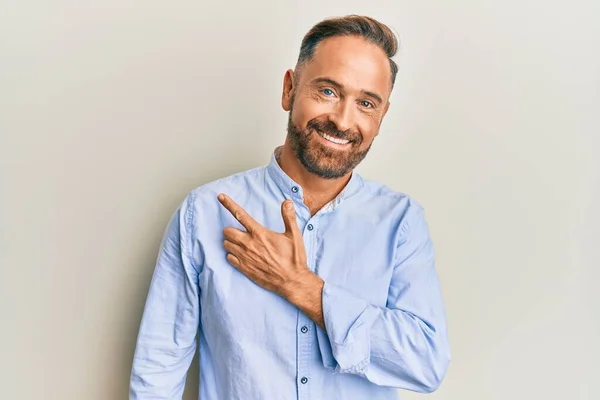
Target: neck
<point x="316" y="191"/>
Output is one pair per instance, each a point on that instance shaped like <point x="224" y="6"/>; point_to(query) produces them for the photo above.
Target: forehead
<point x="352" y="61"/>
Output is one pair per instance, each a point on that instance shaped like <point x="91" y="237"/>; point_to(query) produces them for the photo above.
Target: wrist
<point x="303" y="287"/>
<point x="306" y="293"/>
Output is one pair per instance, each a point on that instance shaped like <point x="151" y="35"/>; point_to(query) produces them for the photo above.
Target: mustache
<point x="331" y="129"/>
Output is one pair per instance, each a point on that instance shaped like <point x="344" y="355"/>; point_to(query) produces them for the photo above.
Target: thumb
<point x="288" y="212"/>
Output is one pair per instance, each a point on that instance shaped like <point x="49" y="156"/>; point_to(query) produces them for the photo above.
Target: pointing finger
<point x="239" y="213"/>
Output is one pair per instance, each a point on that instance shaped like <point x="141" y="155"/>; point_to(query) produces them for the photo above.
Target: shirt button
<point x="310" y="227"/>
<point x="304" y="380"/>
<point x="304" y="329"/>
<point x="295" y="189"/>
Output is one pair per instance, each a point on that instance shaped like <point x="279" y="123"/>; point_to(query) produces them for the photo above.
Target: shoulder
<point x="203" y="198"/>
<point x="405" y="214"/>
<point x="235" y="182"/>
<point x="401" y="204"/>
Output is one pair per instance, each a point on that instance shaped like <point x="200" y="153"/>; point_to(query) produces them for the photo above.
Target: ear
<point x="385" y="110"/>
<point x="387" y="107"/>
<point x="288" y="90"/>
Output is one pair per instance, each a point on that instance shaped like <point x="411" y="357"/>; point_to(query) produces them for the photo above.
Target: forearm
<point x="415" y="353"/>
<point x="387" y="346"/>
<point x="161" y="361"/>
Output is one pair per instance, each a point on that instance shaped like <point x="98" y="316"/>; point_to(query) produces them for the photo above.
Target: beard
<point x="319" y="159"/>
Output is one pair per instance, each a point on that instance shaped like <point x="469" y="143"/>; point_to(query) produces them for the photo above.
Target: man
<point x="301" y="279"/>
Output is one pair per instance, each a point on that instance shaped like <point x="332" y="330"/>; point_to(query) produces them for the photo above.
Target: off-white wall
<point x="111" y="111"/>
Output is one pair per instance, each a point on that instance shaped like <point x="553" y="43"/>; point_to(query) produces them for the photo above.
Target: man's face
<point x="337" y="104"/>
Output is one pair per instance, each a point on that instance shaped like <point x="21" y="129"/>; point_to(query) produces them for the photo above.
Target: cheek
<point x="369" y="128"/>
<point x="307" y="109"/>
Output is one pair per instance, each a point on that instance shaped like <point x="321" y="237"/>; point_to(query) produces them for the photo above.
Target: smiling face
<point x="337" y="104"/>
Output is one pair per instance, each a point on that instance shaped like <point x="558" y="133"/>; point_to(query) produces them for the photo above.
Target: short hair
<point x="351" y="25"/>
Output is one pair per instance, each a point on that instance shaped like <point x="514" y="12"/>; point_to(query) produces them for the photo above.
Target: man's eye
<point x="328" y="92"/>
<point x="366" y="104"/>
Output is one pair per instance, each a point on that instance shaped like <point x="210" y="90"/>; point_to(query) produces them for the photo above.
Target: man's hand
<point x="272" y="260"/>
<point x="275" y="261"/>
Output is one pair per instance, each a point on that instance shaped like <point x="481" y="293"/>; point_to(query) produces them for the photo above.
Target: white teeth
<point x="335" y="140"/>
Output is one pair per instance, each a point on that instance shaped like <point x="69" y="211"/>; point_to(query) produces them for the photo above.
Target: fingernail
<point x="220" y="196"/>
<point x="289" y="205"/>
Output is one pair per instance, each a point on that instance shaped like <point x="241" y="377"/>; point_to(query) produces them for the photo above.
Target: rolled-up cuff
<point x="346" y="321"/>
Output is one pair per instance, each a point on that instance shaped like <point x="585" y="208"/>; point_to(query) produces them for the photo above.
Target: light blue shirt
<point x="383" y="310"/>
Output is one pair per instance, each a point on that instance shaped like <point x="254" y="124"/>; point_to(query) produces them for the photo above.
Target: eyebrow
<point x="340" y="86"/>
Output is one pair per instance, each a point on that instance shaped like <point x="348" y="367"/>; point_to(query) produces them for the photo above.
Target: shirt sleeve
<point x="404" y="344"/>
<point x="166" y="340"/>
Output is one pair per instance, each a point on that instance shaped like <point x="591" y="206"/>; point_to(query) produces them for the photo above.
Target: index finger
<point x="239" y="213"/>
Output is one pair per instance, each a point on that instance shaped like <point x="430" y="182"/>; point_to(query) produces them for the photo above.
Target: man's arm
<point x="166" y="340"/>
<point x="404" y="344"/>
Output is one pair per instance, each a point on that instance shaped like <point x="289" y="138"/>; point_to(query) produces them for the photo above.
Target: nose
<point x="342" y="115"/>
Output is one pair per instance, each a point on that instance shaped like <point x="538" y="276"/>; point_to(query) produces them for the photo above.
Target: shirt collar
<point x="292" y="189"/>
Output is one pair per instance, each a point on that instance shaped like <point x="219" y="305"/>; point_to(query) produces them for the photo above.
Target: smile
<point x="332" y="139"/>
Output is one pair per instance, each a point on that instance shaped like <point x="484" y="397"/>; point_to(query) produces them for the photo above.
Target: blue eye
<point x="328" y="92"/>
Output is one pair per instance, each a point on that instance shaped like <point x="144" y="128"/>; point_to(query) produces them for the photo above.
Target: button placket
<point x="305" y="349"/>
<point x="309" y="240"/>
<point x="305" y="334"/>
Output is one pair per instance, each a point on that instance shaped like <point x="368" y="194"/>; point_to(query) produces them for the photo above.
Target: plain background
<point x="112" y="111"/>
